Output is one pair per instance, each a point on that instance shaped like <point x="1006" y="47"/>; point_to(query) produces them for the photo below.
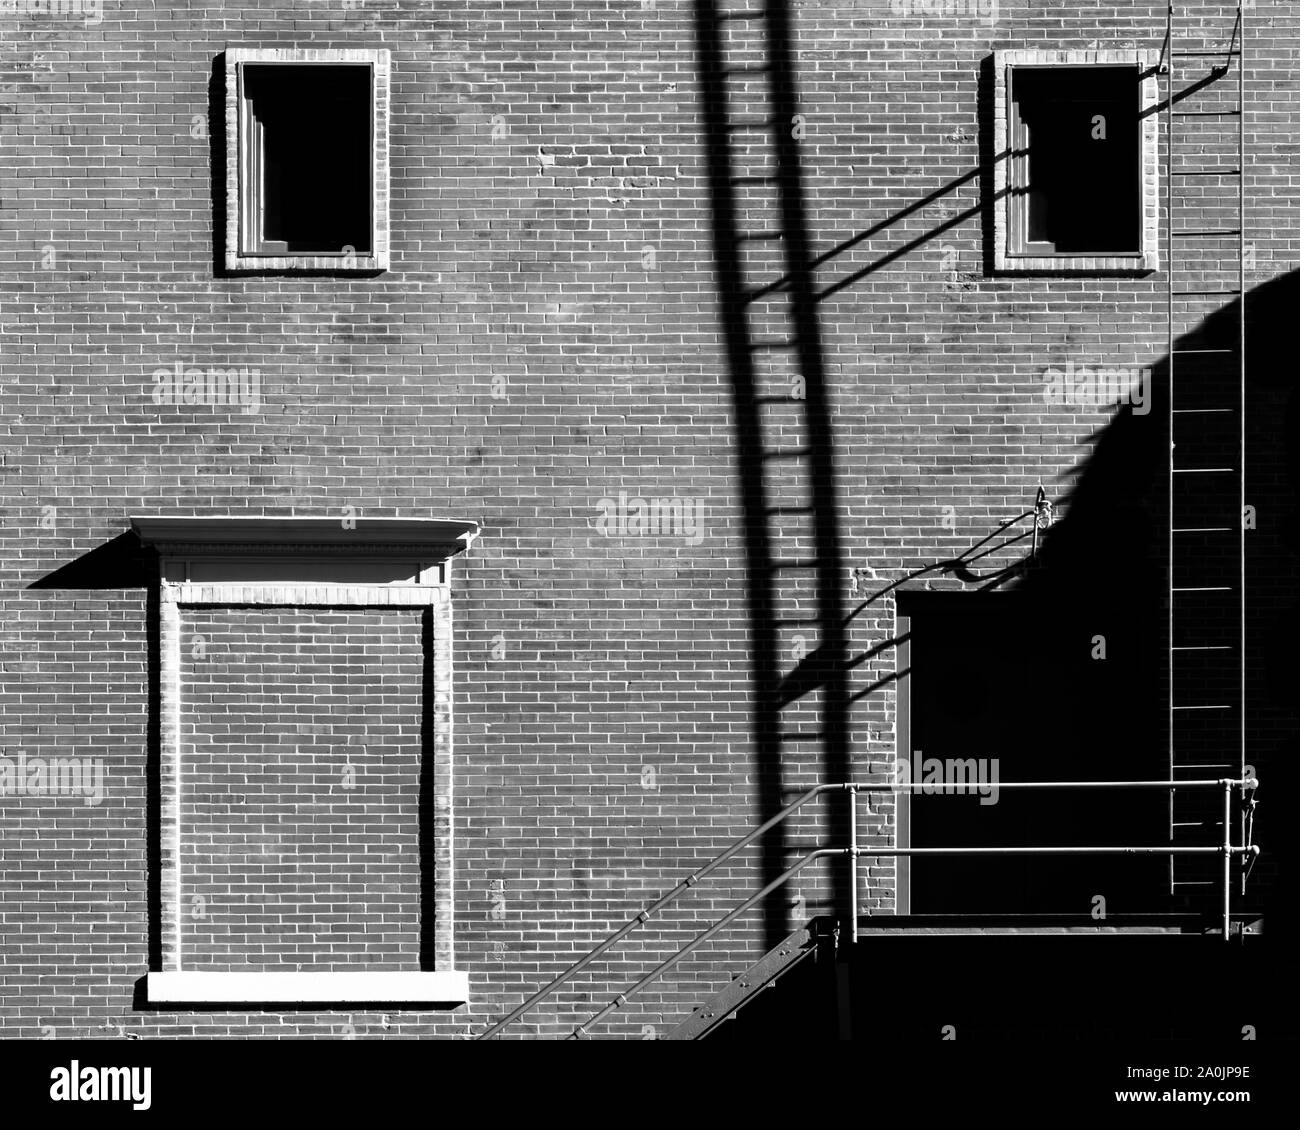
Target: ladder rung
<point x="1209" y="231"/>
<point x="1179" y="352"/>
<point x="791" y="453"/>
<point x="1202" y="647"/>
<point x="792" y="510"/>
<point x="1201" y="411"/>
<point x="1207" y="113"/>
<point x="775" y="566"/>
<point x="758" y="236"/>
<point x="1205" y="54"/>
<point x="1224" y="172"/>
<point x="746" y="15"/>
<point x="1193" y="883"/>
<point x="1206" y="707"/>
<point x="1202" y="530"/>
<point x="1202" y="588"/>
<point x="1199" y="293"/>
<point x="748" y="69"/>
<point x="1202" y="470"/>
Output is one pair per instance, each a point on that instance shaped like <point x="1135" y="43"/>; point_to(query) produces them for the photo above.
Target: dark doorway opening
<point x="1014" y="688"/>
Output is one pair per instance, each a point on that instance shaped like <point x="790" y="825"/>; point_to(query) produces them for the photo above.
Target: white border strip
<point x="300" y="595"/>
<point x="170" y="767"/>
<point x="379" y="61"/>
<point x="172" y="984"/>
<point x="446" y="987"/>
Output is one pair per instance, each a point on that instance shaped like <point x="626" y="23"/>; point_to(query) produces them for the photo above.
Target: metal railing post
<point x="853" y="863"/>
<point x="1241" y="423"/>
<point x="1227" y="858"/>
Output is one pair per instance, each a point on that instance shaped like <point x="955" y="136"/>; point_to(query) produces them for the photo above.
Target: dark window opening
<point x="307" y="179"/>
<point x="1076" y="186"/>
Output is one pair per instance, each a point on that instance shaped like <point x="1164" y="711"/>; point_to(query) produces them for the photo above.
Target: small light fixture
<point x="1042" y="517"/>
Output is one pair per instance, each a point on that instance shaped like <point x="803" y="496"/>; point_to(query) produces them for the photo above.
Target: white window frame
<point x="1147" y="257"/>
<point x="277" y="548"/>
<point x="240" y="255"/>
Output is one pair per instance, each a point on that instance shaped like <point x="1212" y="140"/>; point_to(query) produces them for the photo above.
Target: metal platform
<point x="914" y="925"/>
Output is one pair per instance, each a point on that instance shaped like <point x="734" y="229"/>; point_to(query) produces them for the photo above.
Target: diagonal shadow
<point x="123" y="563"/>
<point x="981" y="173"/>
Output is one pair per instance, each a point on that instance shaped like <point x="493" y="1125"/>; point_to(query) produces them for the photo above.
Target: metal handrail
<point x="1227" y="849"/>
<point x="686" y="884"/>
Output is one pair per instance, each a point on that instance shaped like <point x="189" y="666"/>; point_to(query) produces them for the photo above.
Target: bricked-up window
<point x="307" y="160"/>
<point x="305" y="766"/>
<point x="1075" y="161"/>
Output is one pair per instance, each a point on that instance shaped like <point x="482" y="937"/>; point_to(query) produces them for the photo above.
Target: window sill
<point x="1136" y="264"/>
<point x="333" y="264"/>
<point x="442" y="988"/>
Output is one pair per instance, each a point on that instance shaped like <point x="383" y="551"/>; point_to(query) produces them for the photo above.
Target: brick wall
<point x="545" y="339"/>
<point x="300" y="843"/>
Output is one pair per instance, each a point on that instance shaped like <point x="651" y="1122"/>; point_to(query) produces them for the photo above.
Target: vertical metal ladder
<point x="1204" y="183"/>
<point x="782" y="414"/>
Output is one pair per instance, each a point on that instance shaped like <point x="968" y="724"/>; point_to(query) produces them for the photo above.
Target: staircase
<point x="791" y="968"/>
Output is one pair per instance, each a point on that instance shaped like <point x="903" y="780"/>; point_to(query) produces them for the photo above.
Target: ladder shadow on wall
<point x="825" y="670"/>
